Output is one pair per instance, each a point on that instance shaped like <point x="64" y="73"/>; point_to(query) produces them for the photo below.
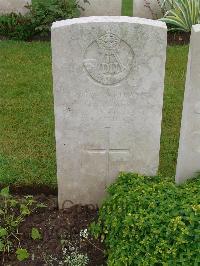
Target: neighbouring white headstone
<point x="100" y="7"/>
<point x="16" y="6"/>
<point x="188" y="163"/>
<point x="147" y="9"/>
<point x="108" y="77"/>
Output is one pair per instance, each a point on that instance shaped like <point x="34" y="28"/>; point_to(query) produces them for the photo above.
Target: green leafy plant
<point x="16" y="26"/>
<point x="22" y="254"/>
<point x="44" y="13"/>
<point x="181" y="14"/>
<point x="150" y="221"/>
<point x="71" y="255"/>
<point x="38" y="20"/>
<point x="35" y="234"/>
<point x="12" y="213"/>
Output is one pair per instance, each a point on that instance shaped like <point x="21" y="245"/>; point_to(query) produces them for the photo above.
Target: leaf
<point x="5" y="192"/>
<point x="24" y="210"/>
<point x="183" y="14"/>
<point x="1" y="246"/>
<point x="41" y="205"/>
<point x="22" y="254"/>
<point x="35" y="234"/>
<point x="13" y="203"/>
<point x="3" y="232"/>
<point x="14" y="223"/>
<point x="28" y="197"/>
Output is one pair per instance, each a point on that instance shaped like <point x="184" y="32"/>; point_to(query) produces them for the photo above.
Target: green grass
<point x="27" y="147"/>
<point x="172" y="110"/>
<point x="127" y="8"/>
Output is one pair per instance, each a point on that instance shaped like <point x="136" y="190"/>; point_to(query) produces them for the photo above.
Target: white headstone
<point x="147" y="9"/>
<point x="188" y="163"/>
<point x="108" y="88"/>
<point x="16" y="6"/>
<point x="101" y="8"/>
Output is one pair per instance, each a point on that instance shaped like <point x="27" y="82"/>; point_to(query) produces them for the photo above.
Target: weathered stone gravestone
<point x="108" y="87"/>
<point x="147" y="9"/>
<point x="101" y="7"/>
<point x="188" y="162"/>
<point x="17" y="6"/>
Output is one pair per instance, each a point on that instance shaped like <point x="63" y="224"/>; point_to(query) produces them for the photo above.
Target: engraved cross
<point x="108" y="151"/>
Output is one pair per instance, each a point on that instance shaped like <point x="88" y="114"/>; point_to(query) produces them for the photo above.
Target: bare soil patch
<point x="56" y="225"/>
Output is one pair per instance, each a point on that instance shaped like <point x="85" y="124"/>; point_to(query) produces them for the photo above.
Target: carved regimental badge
<point x="108" y="60"/>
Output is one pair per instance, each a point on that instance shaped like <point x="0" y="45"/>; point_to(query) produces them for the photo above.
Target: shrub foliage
<point x="151" y="221"/>
<point x="38" y="20"/>
<point x="180" y="15"/>
<point x="13" y="212"/>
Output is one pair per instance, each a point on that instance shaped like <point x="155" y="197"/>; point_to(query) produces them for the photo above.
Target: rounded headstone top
<point x="196" y="28"/>
<point x="107" y="19"/>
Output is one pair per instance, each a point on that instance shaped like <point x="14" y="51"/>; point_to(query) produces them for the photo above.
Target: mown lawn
<point x="127" y="7"/>
<point x="27" y="149"/>
<point x="172" y="110"/>
<point x="27" y="146"/>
